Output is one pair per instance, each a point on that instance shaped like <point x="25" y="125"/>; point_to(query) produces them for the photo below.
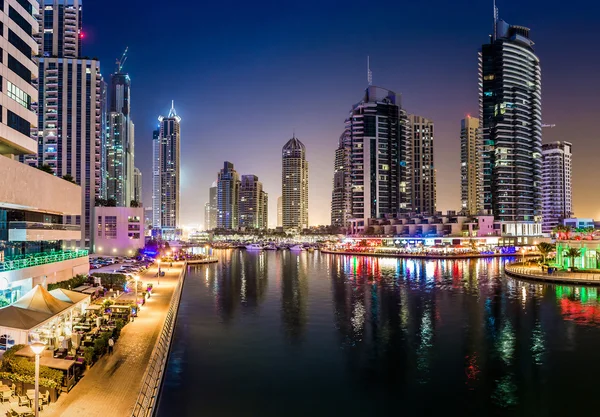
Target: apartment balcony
<point x="39" y="259"/>
<point x="36" y="232"/>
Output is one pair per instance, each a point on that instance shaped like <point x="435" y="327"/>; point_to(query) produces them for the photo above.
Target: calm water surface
<point x="309" y="334"/>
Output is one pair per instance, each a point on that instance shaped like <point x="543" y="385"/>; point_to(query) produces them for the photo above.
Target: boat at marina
<point x="271" y="246"/>
<point x="254" y="246"/>
<point x="296" y="248"/>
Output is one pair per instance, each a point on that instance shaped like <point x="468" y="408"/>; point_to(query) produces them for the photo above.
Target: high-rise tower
<point x="470" y="166"/>
<point x="228" y="196"/>
<point x="70" y="107"/>
<point x="60" y="33"/>
<point x="556" y="184"/>
<point x="211" y="208"/>
<point x="511" y="121"/>
<point x="294" y="185"/>
<point x="341" y="196"/>
<point x="166" y="175"/>
<point x="423" y="185"/>
<point x="378" y="168"/>
<point x="120" y="146"/>
<point x="252" y="203"/>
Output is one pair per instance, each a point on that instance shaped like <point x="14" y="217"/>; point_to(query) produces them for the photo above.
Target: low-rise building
<point x="118" y="231"/>
<point x="450" y="224"/>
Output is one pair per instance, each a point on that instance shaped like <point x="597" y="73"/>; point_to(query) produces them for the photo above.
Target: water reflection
<point x="238" y="282"/>
<point x="294" y="294"/>
<point x="434" y="336"/>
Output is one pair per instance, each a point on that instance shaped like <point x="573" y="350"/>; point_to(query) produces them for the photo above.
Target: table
<point x="4" y="388"/>
<point x="20" y="410"/>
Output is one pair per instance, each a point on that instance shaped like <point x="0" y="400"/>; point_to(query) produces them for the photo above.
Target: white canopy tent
<point x="40" y="314"/>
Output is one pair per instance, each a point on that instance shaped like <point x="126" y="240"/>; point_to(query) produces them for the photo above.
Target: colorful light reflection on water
<point x="278" y="333"/>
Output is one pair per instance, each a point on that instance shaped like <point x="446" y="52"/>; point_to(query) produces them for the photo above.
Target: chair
<point x="45" y="398"/>
<point x="6" y="396"/>
<point x="23" y="400"/>
<point x="13" y="388"/>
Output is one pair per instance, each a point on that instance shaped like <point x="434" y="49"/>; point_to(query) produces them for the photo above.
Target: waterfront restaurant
<point x="588" y="258"/>
<point x="42" y="316"/>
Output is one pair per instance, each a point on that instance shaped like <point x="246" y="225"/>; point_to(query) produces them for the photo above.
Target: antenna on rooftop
<point x="495" y="20"/>
<point x="369" y="73"/>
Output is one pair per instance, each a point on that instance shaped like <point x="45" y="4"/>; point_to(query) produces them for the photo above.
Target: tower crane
<point x="121" y="61"/>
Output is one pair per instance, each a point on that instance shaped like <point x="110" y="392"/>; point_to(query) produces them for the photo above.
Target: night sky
<point x="244" y="75"/>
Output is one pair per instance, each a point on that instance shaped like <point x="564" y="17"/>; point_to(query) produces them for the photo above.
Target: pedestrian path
<point x="535" y="272"/>
<point x="111" y="386"/>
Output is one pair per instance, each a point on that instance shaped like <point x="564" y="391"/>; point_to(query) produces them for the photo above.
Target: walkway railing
<point x="146" y="402"/>
<point x="554" y="276"/>
<point x="11" y="265"/>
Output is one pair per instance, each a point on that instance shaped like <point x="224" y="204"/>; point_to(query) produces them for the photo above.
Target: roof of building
<point x="68" y="296"/>
<point x="294" y="144"/>
<point x="40" y="300"/>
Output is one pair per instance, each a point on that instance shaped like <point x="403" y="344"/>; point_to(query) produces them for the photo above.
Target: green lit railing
<point x="11" y="265"/>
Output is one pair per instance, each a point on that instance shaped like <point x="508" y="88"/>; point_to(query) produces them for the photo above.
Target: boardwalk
<point x="111" y="386"/>
<point x="535" y="273"/>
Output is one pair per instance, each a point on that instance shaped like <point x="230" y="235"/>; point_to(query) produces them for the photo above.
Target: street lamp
<point x="37" y="348"/>
<point x="136" y="285"/>
<point x="158" y="263"/>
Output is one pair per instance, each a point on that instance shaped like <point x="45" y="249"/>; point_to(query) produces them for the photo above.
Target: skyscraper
<point x="423" y="185"/>
<point x="511" y="120"/>
<point x="60" y="28"/>
<point x="70" y="107"/>
<point x="251" y="203"/>
<point x="228" y="197"/>
<point x="470" y="166"/>
<point x="556" y="184"/>
<point x="294" y="185"/>
<point x="341" y="196"/>
<point x="120" y="142"/>
<point x="211" y="208"/>
<point x="376" y="136"/>
<point x="137" y="185"/>
<point x="265" y="210"/>
<point x="280" y="211"/>
<point x="116" y="167"/>
<point x="166" y="172"/>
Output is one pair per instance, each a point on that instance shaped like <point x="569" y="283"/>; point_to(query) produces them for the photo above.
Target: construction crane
<point x="121" y="61"/>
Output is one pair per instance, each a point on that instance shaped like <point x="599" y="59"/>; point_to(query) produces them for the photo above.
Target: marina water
<point x="310" y="334"/>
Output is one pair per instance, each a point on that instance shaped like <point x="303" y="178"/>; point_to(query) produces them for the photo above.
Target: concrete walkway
<point x="535" y="273"/>
<point x="111" y="386"/>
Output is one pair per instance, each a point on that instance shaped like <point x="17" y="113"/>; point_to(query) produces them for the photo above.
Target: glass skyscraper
<point x="511" y="124"/>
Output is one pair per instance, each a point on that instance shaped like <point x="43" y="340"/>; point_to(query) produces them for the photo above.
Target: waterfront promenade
<point x="534" y="272"/>
<point x="111" y="386"/>
<point x="426" y="256"/>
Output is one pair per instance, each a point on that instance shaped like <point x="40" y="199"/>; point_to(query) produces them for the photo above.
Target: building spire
<point x="495" y="20"/>
<point x="369" y="73"/>
<point x="172" y="112"/>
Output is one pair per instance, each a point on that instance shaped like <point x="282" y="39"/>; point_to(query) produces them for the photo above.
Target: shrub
<point x="23" y="367"/>
<point x="100" y="346"/>
<point x="30" y="379"/>
<point x="69" y="284"/>
<point x="88" y="355"/>
<point x="111" y="280"/>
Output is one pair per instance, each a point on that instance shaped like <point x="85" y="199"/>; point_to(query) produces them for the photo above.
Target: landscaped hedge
<point x="111" y="280"/>
<point x="21" y="369"/>
<point x="69" y="284"/>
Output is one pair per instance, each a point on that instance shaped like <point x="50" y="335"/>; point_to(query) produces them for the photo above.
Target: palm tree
<point x="46" y="168"/>
<point x="69" y="177"/>
<point x="545" y="248"/>
<point x="573" y="253"/>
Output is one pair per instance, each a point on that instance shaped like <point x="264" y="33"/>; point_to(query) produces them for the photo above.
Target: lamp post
<point x="37" y="349"/>
<point x="136" y="300"/>
<point x="158" y="262"/>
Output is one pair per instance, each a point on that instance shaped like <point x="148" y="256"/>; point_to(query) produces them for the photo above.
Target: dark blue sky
<point x="244" y="75"/>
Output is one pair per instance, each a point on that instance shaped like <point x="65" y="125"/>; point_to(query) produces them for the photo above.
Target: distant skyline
<point x="243" y="82"/>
